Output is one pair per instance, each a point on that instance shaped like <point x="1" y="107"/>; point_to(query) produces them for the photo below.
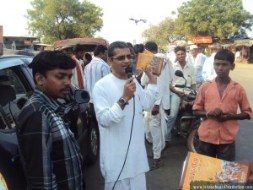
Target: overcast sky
<point x="117" y="25"/>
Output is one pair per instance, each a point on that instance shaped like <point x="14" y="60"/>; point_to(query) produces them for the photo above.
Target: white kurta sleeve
<point x="148" y="96"/>
<point x="105" y="113"/>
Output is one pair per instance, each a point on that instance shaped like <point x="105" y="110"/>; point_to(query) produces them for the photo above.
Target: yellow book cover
<point x="200" y="168"/>
<point x="143" y="60"/>
<point x="148" y="58"/>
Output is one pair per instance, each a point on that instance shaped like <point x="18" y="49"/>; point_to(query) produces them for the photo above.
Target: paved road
<point x="168" y="177"/>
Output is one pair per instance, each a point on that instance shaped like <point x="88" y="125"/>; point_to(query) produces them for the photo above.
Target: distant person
<point x="68" y="50"/>
<point x="138" y="48"/>
<point x="171" y="54"/>
<point x="155" y="121"/>
<point x="79" y="54"/>
<point x="208" y="72"/>
<point x="244" y="53"/>
<point x="97" y="68"/>
<point x="197" y="59"/>
<point x="176" y="92"/>
<point x="77" y="79"/>
<point x="49" y="152"/>
<point x="13" y="45"/>
<point x="119" y="102"/>
<point x="87" y="59"/>
<point x="238" y="55"/>
<point x="218" y="101"/>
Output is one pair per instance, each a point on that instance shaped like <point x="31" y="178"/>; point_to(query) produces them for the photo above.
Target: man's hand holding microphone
<point x="130" y="86"/>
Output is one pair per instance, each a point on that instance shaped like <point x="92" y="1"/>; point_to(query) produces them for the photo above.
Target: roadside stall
<point x="245" y="47"/>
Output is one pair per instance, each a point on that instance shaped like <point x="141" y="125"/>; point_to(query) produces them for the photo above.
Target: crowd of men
<point x="130" y="106"/>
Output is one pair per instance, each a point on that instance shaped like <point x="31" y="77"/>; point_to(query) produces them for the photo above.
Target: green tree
<point x="162" y="34"/>
<point x="61" y="19"/>
<point x="216" y="18"/>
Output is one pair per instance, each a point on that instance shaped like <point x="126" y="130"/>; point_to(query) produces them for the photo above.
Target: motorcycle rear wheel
<point x="193" y="138"/>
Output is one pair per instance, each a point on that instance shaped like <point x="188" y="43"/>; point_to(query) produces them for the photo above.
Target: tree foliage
<point x="61" y="19"/>
<point x="216" y="18"/>
<point x="162" y="34"/>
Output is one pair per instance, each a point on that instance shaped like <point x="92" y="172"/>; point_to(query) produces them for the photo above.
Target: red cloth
<point x="79" y="74"/>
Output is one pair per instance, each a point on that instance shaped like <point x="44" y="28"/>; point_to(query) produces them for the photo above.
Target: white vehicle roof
<point x="7" y="61"/>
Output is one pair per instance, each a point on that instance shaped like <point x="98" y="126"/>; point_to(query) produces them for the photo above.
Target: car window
<point x="9" y="77"/>
<point x="13" y="96"/>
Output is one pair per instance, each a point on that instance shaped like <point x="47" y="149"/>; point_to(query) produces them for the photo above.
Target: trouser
<point x="135" y="183"/>
<point x="171" y="119"/>
<point x="221" y="151"/>
<point x="147" y="119"/>
<point x="158" y="130"/>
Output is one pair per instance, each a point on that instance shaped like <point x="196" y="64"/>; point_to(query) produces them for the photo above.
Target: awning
<point x="246" y="42"/>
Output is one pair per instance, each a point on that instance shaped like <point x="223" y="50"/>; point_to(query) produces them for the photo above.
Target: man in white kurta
<point x="197" y="59"/>
<point x="208" y="72"/>
<point x="123" y="155"/>
<point x="157" y="122"/>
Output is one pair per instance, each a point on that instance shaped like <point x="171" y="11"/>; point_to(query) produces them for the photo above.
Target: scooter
<point x="186" y="124"/>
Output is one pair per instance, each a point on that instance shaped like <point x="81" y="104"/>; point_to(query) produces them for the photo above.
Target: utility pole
<point x="136" y="22"/>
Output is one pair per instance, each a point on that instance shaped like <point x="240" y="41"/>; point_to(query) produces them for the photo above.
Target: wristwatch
<point x="122" y="102"/>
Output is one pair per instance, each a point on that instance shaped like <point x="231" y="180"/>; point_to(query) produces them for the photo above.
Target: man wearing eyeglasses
<point x="119" y="102"/>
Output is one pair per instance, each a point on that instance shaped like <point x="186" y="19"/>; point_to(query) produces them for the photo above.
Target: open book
<point x="204" y="172"/>
<point x="148" y="58"/>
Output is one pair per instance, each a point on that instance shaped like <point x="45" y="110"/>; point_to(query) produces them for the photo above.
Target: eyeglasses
<point x="123" y="57"/>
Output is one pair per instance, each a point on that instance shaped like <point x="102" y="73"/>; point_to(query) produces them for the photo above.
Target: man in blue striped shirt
<point x="96" y="69"/>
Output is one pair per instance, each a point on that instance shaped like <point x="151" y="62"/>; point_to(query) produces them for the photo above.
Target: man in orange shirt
<point x="218" y="101"/>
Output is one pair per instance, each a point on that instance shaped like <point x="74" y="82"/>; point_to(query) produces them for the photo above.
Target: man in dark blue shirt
<point x="48" y="148"/>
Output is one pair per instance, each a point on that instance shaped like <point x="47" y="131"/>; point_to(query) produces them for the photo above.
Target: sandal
<point x="156" y="164"/>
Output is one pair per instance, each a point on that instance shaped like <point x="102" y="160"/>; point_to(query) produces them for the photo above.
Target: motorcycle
<point x="187" y="124"/>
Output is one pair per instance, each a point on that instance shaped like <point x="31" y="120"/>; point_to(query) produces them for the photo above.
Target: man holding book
<point x="155" y="119"/>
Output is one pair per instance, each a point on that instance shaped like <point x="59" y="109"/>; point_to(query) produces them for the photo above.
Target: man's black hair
<point x="88" y="57"/>
<point x="226" y="55"/>
<point x="139" y="48"/>
<point x="78" y="48"/>
<point x="151" y="46"/>
<point x="50" y="60"/>
<point x="114" y="45"/>
<point x="179" y="48"/>
<point x="100" y="49"/>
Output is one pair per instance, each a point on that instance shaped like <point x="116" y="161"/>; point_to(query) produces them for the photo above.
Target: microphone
<point x="129" y="71"/>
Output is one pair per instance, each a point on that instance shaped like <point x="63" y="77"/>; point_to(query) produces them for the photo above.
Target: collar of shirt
<point x="97" y="59"/>
<point x="44" y="99"/>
